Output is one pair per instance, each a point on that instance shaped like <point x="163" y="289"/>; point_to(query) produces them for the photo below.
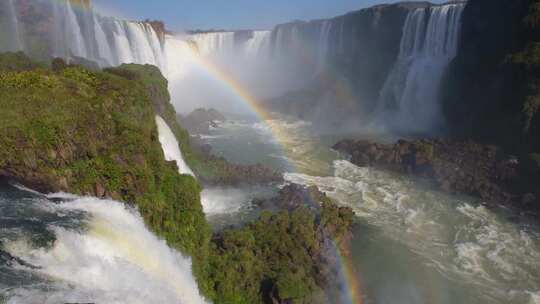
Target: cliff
<point x="360" y="50"/>
<point x="457" y="167"/>
<point x="94" y="133"/>
<point x="492" y="86"/>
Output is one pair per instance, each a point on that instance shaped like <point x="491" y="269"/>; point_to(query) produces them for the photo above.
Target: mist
<point x="341" y="75"/>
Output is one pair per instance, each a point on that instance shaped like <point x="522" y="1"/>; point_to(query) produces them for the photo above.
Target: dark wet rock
<point x="7" y="259"/>
<point x="236" y="174"/>
<point x="200" y="120"/>
<point x="363" y="46"/>
<point x="491" y="91"/>
<point x="456" y="166"/>
<point x="293" y="196"/>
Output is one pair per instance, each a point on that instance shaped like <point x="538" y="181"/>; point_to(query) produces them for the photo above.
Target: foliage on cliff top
<point x="91" y="132"/>
<point x="16" y="62"/>
<point x="208" y="168"/>
<point x="94" y="132"/>
<point x="283" y="257"/>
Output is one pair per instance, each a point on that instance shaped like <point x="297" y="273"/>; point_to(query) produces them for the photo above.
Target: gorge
<point x="387" y="155"/>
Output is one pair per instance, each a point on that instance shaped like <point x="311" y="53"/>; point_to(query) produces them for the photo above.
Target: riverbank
<point x="462" y="167"/>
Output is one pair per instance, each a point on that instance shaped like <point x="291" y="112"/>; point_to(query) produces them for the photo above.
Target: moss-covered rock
<point x="283" y="257"/>
<point x="89" y="132"/>
<point x="208" y="168"/>
<point x="94" y="133"/>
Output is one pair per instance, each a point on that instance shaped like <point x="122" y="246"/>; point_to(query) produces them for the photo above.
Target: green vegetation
<point x="529" y="61"/>
<point x="16" y="62"/>
<point x="157" y="88"/>
<point x="281" y="257"/>
<point x="94" y="133"/>
<point x="208" y="168"/>
<point x="67" y="128"/>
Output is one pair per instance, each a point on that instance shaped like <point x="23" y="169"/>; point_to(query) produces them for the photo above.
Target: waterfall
<point x="121" y="43"/>
<point x="170" y="146"/>
<point x="324" y="44"/>
<point x="74" y="33"/>
<point x="215" y="42"/>
<point x="102" y="252"/>
<point x="69" y="32"/>
<point x="104" y="49"/>
<point x="258" y="45"/>
<point x="429" y="43"/>
<point x="226" y="43"/>
<point x="10" y="27"/>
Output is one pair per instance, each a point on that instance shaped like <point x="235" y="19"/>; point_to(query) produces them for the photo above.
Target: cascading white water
<point x="170" y="146"/>
<point x="258" y="45"/>
<point x="72" y="31"/>
<point x="121" y="43"/>
<point x="428" y="44"/>
<point x="485" y="252"/>
<point x="215" y="42"/>
<point x="11" y="28"/>
<point x="324" y="44"/>
<point x="102" y="253"/>
<point x="219" y="43"/>
<point x="86" y="34"/>
<point x="104" y="49"/>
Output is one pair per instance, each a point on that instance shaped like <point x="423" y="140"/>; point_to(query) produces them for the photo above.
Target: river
<point x="412" y="243"/>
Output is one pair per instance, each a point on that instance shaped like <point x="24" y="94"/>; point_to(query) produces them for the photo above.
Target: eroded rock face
<point x="491" y="89"/>
<point x="235" y="174"/>
<point x="361" y="49"/>
<point x="456" y="166"/>
<point x="200" y="120"/>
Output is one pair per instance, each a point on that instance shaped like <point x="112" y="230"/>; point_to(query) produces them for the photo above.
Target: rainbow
<point x="348" y="271"/>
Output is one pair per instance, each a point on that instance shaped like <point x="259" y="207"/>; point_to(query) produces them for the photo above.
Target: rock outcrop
<point x="94" y="133"/>
<point x="285" y="257"/>
<point x="89" y="132"/>
<point x="200" y="120"/>
<point x="456" y="167"/>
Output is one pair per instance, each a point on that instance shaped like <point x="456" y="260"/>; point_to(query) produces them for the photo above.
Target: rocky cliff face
<point x="456" y="167"/>
<point x="491" y="92"/>
<point x="72" y="30"/>
<point x="350" y="57"/>
<point x="361" y="45"/>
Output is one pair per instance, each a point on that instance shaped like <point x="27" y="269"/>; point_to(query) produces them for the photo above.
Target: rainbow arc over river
<point x="279" y="133"/>
<point x="347" y="268"/>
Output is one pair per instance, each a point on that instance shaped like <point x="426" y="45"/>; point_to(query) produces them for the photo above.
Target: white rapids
<point x="113" y="258"/>
<point x="465" y="242"/>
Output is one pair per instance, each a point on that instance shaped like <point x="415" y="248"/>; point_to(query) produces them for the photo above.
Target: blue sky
<point x="229" y="14"/>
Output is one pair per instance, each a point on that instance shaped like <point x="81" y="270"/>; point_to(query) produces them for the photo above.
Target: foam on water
<point x="224" y="200"/>
<point x="170" y="146"/>
<point x="112" y="259"/>
<point x="465" y="242"/>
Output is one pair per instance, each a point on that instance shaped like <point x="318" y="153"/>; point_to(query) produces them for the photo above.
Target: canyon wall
<point x="492" y="88"/>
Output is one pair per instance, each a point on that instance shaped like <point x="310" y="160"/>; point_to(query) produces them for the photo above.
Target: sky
<point x="229" y="14"/>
